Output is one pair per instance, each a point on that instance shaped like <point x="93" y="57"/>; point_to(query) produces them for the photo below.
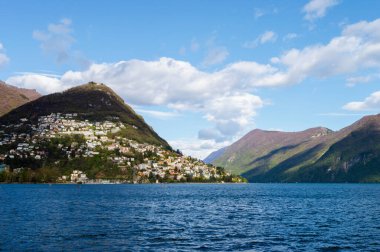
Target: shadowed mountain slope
<point x="313" y="155"/>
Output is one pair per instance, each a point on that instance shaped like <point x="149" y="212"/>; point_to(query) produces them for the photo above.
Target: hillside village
<point x="71" y="138"/>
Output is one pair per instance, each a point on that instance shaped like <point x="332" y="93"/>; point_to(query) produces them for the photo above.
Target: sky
<point x="203" y="73"/>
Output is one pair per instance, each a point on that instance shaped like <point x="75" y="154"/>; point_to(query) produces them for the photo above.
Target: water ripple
<point x="191" y="217"/>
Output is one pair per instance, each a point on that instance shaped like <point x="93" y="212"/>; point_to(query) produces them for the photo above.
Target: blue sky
<point x="204" y="73"/>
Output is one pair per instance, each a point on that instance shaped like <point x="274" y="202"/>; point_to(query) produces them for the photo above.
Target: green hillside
<point x="315" y="155"/>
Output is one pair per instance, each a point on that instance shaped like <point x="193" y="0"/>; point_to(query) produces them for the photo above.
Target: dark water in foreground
<point x="255" y="217"/>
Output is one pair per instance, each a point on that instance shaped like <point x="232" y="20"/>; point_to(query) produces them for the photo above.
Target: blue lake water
<point x="188" y="217"/>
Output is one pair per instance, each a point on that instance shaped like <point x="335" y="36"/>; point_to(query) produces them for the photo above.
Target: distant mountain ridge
<point x="214" y="155"/>
<point x="351" y="154"/>
<point x="12" y="97"/>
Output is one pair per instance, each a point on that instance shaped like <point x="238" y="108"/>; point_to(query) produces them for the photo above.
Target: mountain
<point x="87" y="134"/>
<point x="91" y="101"/>
<point x="214" y="155"/>
<point x="262" y="149"/>
<point x="12" y="97"/>
<point x="314" y="155"/>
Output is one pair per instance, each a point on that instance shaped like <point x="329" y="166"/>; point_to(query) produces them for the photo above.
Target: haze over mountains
<point x="351" y="154"/>
<point x="12" y="97"/>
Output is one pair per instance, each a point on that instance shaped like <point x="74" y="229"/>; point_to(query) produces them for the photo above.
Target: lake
<point x="188" y="217"/>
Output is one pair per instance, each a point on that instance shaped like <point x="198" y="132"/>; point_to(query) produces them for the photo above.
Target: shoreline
<point x="211" y="183"/>
<point x="195" y="183"/>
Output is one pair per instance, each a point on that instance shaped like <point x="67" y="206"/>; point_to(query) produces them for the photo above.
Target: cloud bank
<point x="224" y="97"/>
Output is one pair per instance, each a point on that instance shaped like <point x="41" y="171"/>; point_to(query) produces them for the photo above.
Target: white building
<point x="78" y="177"/>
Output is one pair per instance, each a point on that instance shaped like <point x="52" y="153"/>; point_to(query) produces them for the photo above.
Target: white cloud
<point x="364" y="29"/>
<point x="266" y="37"/>
<point x="372" y="102"/>
<point x="165" y="81"/>
<point x="222" y="96"/>
<point x="210" y="134"/>
<point x="317" y="8"/>
<point x="232" y="113"/>
<point x="57" y="40"/>
<point x="197" y="148"/>
<point x="216" y="55"/>
<point x="44" y="84"/>
<point x="44" y="73"/>
<point x="357" y="48"/>
<point x="353" y="81"/>
<point x="258" y="13"/>
<point x="290" y="36"/>
<point x="3" y="57"/>
<point x="163" y="115"/>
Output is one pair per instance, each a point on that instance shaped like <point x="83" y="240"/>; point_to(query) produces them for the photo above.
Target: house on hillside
<point x="78" y="177"/>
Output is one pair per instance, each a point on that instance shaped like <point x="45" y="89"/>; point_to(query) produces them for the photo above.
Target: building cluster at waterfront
<point x="146" y="162"/>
